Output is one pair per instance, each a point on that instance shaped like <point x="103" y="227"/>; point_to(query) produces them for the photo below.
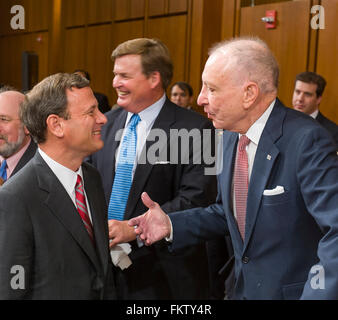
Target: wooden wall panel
<point x="39" y="43"/>
<point x="6" y="16"/>
<point x="177" y="6"/>
<point x="121" y="9"/>
<point x="74" y="49"/>
<point x="327" y="64"/>
<point x="289" y="47"/>
<point x="99" y="11"/>
<point x="137" y="8"/>
<point x="157" y="7"/>
<point x="175" y="40"/>
<point x="75" y="12"/>
<point x="99" y="64"/>
<point x="228" y="19"/>
<point x="12" y="55"/>
<point x="123" y="31"/>
<point x="40" y="15"/>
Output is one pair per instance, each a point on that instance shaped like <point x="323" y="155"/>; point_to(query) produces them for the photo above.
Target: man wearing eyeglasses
<point x="16" y="145"/>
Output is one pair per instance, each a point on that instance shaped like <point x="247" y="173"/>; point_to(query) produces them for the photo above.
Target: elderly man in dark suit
<point x="16" y="145"/>
<point x="307" y="96"/>
<point x="277" y="192"/>
<point x="54" y="235"/>
<point x="142" y="72"/>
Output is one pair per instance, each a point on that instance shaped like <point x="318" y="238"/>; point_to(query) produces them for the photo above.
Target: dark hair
<point x="86" y="73"/>
<point x="46" y="98"/>
<point x="5" y="87"/>
<point x="154" y="57"/>
<point x="186" y="87"/>
<point x="311" y="77"/>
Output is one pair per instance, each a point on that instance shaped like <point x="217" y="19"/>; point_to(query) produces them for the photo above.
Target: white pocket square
<point x="162" y="162"/>
<point x="273" y="192"/>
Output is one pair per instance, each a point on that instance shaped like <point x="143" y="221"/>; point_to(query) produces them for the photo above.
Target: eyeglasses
<point x="6" y="120"/>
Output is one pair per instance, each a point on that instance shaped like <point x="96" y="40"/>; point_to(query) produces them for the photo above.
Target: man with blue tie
<point x="142" y="72"/>
<point x="16" y="145"/>
<point x="277" y="192"/>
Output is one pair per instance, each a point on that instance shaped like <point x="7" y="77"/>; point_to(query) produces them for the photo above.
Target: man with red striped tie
<point x="53" y="215"/>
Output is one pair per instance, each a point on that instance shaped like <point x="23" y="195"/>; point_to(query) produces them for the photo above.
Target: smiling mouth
<point x="122" y="93"/>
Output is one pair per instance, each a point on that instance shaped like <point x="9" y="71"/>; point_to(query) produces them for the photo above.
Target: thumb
<point x="134" y="222"/>
<point x="150" y="204"/>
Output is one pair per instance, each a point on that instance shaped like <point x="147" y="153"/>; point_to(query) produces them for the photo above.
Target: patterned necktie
<point x="3" y="170"/>
<point x="241" y="183"/>
<point x="82" y="207"/>
<point x="124" y="171"/>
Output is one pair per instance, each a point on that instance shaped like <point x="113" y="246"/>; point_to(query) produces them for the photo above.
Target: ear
<point x="25" y="130"/>
<point x="155" y="79"/>
<point x="251" y="92"/>
<point x="55" y="125"/>
<point x="319" y="100"/>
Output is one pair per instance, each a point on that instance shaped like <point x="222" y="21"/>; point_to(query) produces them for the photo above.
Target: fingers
<point x="150" y="204"/>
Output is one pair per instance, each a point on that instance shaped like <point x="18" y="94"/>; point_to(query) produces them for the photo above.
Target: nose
<point x="101" y="118"/>
<point x="115" y="81"/>
<point x="202" y="97"/>
<point x="300" y="96"/>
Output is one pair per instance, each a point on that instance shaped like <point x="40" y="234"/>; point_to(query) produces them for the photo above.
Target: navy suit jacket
<point x="156" y="273"/>
<point x="288" y="233"/>
<point x="329" y="125"/>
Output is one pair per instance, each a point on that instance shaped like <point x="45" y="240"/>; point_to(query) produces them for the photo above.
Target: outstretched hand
<point x="152" y="226"/>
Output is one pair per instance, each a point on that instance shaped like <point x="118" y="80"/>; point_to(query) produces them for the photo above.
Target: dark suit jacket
<point x="26" y="157"/>
<point x="287" y="233"/>
<point x="156" y="273"/>
<point x="41" y="230"/>
<point x="329" y="126"/>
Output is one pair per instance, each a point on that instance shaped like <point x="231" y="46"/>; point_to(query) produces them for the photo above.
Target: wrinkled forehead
<point x="10" y="103"/>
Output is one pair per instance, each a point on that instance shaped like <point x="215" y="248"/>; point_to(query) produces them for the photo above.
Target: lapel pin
<point x="268" y="157"/>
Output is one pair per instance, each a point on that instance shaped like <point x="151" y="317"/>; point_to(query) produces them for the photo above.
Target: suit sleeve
<point x="318" y="177"/>
<point x="193" y="226"/>
<point x="196" y="189"/>
<point x="16" y="249"/>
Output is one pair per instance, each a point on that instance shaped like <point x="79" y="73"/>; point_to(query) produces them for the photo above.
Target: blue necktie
<point x="3" y="171"/>
<point x="124" y="170"/>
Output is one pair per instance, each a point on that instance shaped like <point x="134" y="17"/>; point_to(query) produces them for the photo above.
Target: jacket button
<point x="245" y="260"/>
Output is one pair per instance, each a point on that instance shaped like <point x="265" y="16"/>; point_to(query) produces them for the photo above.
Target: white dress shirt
<point x="66" y="177"/>
<point x="148" y="117"/>
<point x="254" y="134"/>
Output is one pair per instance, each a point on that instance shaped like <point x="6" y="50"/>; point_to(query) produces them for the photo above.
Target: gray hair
<point x="251" y="58"/>
<point x="46" y="98"/>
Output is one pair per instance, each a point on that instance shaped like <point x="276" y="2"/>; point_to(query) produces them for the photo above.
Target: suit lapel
<point x="111" y="143"/>
<point x="60" y="204"/>
<point x="164" y="122"/>
<point x="28" y="155"/>
<point x="266" y="155"/>
<point x="98" y="219"/>
<point x="230" y="146"/>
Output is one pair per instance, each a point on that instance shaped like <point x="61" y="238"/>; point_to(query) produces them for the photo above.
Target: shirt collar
<point x="255" y="131"/>
<point x="314" y="114"/>
<point x="13" y="160"/>
<point x="66" y="176"/>
<point x="149" y="114"/>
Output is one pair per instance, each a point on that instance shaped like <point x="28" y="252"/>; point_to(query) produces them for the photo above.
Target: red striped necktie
<point x="241" y="183"/>
<point x="82" y="207"/>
